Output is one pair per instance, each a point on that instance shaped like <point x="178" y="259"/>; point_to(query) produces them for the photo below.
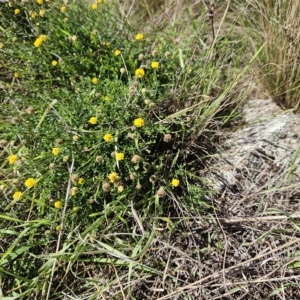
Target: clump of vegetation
<point x="104" y="131"/>
<point x="275" y="25"/>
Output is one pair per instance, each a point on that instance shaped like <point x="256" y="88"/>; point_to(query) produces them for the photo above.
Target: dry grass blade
<point x="215" y="275"/>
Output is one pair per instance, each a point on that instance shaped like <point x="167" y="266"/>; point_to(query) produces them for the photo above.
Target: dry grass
<point x="276" y="25"/>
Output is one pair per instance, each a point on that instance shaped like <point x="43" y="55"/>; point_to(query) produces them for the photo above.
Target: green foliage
<point x="107" y="148"/>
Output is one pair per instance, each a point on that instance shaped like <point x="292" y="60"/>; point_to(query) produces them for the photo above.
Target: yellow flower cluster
<point x="93" y="120"/>
<point x="81" y="180"/>
<point x="17" y="195"/>
<point x="12" y="159"/>
<point x="175" y="182"/>
<point x="39" y="41"/>
<point x="108" y="137"/>
<point x="139" y="73"/>
<point x="55" y="151"/>
<point x="119" y="156"/>
<point x="58" y="204"/>
<point x="113" y="176"/>
<point x="117" y="52"/>
<point x="30" y="182"/>
<point x="154" y="64"/>
<point x="139" y="122"/>
<point x="139" y="36"/>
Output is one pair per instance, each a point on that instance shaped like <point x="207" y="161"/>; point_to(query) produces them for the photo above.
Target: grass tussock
<point x="275" y="25"/>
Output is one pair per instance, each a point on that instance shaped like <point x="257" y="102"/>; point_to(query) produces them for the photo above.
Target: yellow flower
<point x="139" y="122"/>
<point x="81" y="180"/>
<point x="113" y="176"/>
<point x="139" y="73"/>
<point x="175" y="182"/>
<point x="74" y="191"/>
<point x="39" y="41"/>
<point x="94" y="6"/>
<point x="33" y="15"/>
<point x="17" y="195"/>
<point x="119" y="156"/>
<point x="55" y="151"/>
<point x="99" y="1"/>
<point x="12" y="159"/>
<point x="57" y="228"/>
<point x="154" y="64"/>
<point x="93" y="120"/>
<point x="94" y="80"/>
<point x="30" y="182"/>
<point x="17" y="11"/>
<point x="106" y="98"/>
<point x="43" y="37"/>
<point x="75" y="209"/>
<point x="39" y="1"/>
<point x="120" y="188"/>
<point x="117" y="52"/>
<point x="16" y="74"/>
<point x="139" y="36"/>
<point x="41" y="12"/>
<point x="54" y="63"/>
<point x="63" y="8"/>
<point x="58" y="204"/>
<point x="108" y="137"/>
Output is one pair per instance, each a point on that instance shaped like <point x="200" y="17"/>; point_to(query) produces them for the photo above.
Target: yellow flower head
<point x="139" y="73"/>
<point x="154" y="64"/>
<point x="108" y="137"/>
<point x="117" y="52"/>
<point x="93" y="120"/>
<point x="39" y="1"/>
<point x="33" y="15"/>
<point x="113" y="176"/>
<point x="94" y="6"/>
<point x="39" y="41"/>
<point x="139" y="36"/>
<point x="139" y="122"/>
<point x="175" y="182"/>
<point x="120" y="188"/>
<point x="57" y="228"/>
<point x="54" y="63"/>
<point x="57" y="204"/>
<point x="119" y="156"/>
<point x="63" y="8"/>
<point x="17" y="195"/>
<point x="74" y="191"/>
<point x="81" y="180"/>
<point x="55" y="151"/>
<point x="12" y="159"/>
<point x="41" y="12"/>
<point x="99" y="1"/>
<point x="106" y="98"/>
<point x="75" y="209"/>
<point x="17" y="11"/>
<point x="95" y="80"/>
<point x="30" y="182"/>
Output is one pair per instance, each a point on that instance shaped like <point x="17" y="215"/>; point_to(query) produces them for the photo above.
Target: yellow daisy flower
<point x="30" y="182"/>
<point x="139" y="122"/>
<point x="113" y="176"/>
<point x="175" y="182"/>
<point x="119" y="156"/>
<point x="108" y="137"/>
<point x="93" y="120"/>
<point x="139" y="73"/>
<point x="139" y="36"/>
